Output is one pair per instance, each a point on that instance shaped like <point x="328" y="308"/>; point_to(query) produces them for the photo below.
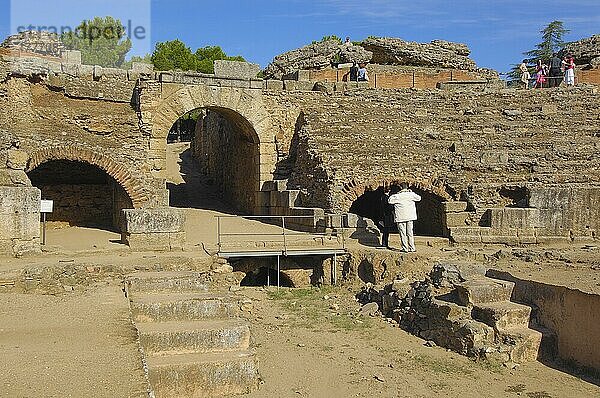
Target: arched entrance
<point x="84" y="195"/>
<point x="233" y="139"/>
<point x="216" y="149"/>
<point x="429" y="209"/>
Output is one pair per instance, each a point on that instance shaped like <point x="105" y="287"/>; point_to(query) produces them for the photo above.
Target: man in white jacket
<point x="405" y="212"/>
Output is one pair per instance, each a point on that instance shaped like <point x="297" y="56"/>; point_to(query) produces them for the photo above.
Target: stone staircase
<point x="193" y="340"/>
<point x="505" y="331"/>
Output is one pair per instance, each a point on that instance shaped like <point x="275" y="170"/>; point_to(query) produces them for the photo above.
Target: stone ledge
<point x="156" y="220"/>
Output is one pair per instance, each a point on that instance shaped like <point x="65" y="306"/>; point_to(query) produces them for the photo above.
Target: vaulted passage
<point x="83" y="194"/>
<point x="264" y="276"/>
<point x="429" y="210"/>
<point x="224" y="150"/>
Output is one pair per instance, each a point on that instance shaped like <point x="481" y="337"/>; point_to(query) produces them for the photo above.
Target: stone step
<point x="203" y="375"/>
<point x="523" y="344"/>
<point x="162" y="338"/>
<point x="166" y="281"/>
<point x="163" y="307"/>
<point x="502" y="314"/>
<point x="483" y="290"/>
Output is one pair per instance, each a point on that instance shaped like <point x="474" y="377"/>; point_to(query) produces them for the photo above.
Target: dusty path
<point x="315" y="347"/>
<point x="75" y="345"/>
<point x="80" y="344"/>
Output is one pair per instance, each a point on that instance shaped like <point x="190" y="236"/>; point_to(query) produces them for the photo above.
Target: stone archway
<point x="364" y="199"/>
<point x="242" y="108"/>
<point x="117" y="171"/>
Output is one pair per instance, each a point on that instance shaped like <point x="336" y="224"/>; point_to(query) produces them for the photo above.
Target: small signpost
<point x="45" y="207"/>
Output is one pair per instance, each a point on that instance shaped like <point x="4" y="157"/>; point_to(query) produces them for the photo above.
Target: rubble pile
<point x="585" y="51"/>
<point x="315" y="56"/>
<point x="438" y="53"/>
<point x="462" y="311"/>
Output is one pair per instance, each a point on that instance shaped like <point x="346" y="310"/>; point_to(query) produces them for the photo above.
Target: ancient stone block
<point x="158" y="220"/>
<point x="10" y="177"/>
<point x="142" y="67"/>
<point x="71" y="57"/>
<point x="514" y="217"/>
<point x="19" y="219"/>
<point x="454" y="207"/>
<point x="294" y="85"/>
<point x="148" y="241"/>
<point x="510" y="240"/>
<point x="275" y="85"/>
<point x="176" y="241"/>
<point x="85" y="72"/>
<point x="256" y="83"/>
<point x="236" y="69"/>
<point x="483" y="290"/>
<point x="466" y="234"/>
<point x="456" y="219"/>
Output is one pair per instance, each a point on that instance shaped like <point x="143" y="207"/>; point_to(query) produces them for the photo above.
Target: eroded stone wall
<point x="229" y="156"/>
<point x="474" y="146"/>
<point x="58" y="116"/>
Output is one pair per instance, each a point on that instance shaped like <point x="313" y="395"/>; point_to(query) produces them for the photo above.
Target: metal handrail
<point x="285" y="231"/>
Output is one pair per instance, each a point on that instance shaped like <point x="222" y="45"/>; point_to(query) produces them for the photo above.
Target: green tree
<point x="176" y="55"/>
<point x="207" y="55"/>
<point x="171" y="55"/>
<point x="146" y="59"/>
<point x="101" y="41"/>
<point x="552" y="42"/>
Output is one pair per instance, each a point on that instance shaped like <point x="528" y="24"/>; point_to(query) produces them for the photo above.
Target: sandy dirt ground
<point x="74" y="345"/>
<point x="310" y="342"/>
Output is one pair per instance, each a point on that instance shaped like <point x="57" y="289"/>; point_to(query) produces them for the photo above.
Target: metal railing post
<point x="278" y="268"/>
<point x="219" y="232"/>
<point x="334" y="276"/>
<point x="283" y="232"/>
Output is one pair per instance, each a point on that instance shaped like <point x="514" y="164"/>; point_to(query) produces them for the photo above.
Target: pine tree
<point x="552" y="42"/>
<point x="100" y="40"/>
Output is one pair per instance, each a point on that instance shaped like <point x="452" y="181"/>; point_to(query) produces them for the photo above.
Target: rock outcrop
<point x="585" y="51"/>
<point x="438" y="53"/>
<point x="315" y="56"/>
<point x="38" y="42"/>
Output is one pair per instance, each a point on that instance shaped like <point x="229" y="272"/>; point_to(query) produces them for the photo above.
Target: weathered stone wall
<point x="62" y="116"/>
<point x="570" y="314"/>
<point x="19" y="220"/>
<point x="229" y="156"/>
<point x="478" y="146"/>
<point x="386" y="76"/>
<point x="333" y="141"/>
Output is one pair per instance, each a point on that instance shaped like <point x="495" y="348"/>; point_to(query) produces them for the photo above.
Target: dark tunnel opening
<point x="429" y="210"/>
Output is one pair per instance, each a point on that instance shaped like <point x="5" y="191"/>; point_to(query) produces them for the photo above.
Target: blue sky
<point x="496" y="31"/>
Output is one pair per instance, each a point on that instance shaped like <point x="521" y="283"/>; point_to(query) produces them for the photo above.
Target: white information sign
<point x="46" y="206"/>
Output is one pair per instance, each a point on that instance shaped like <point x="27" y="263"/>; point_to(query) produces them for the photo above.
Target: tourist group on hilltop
<point x="551" y="74"/>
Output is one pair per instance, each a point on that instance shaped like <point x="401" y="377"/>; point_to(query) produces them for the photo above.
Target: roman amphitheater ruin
<point x="496" y="167"/>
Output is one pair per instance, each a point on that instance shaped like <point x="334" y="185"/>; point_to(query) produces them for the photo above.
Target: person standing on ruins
<point x="555" y="72"/>
<point x="405" y="212"/>
<point x="568" y="65"/>
<point x="525" y="76"/>
<point x="362" y="73"/>
<point x="353" y="72"/>
<point x="387" y="213"/>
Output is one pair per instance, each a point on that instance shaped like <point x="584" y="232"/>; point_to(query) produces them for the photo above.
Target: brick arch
<point x="242" y="103"/>
<point x="117" y="171"/>
<point x="354" y="189"/>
